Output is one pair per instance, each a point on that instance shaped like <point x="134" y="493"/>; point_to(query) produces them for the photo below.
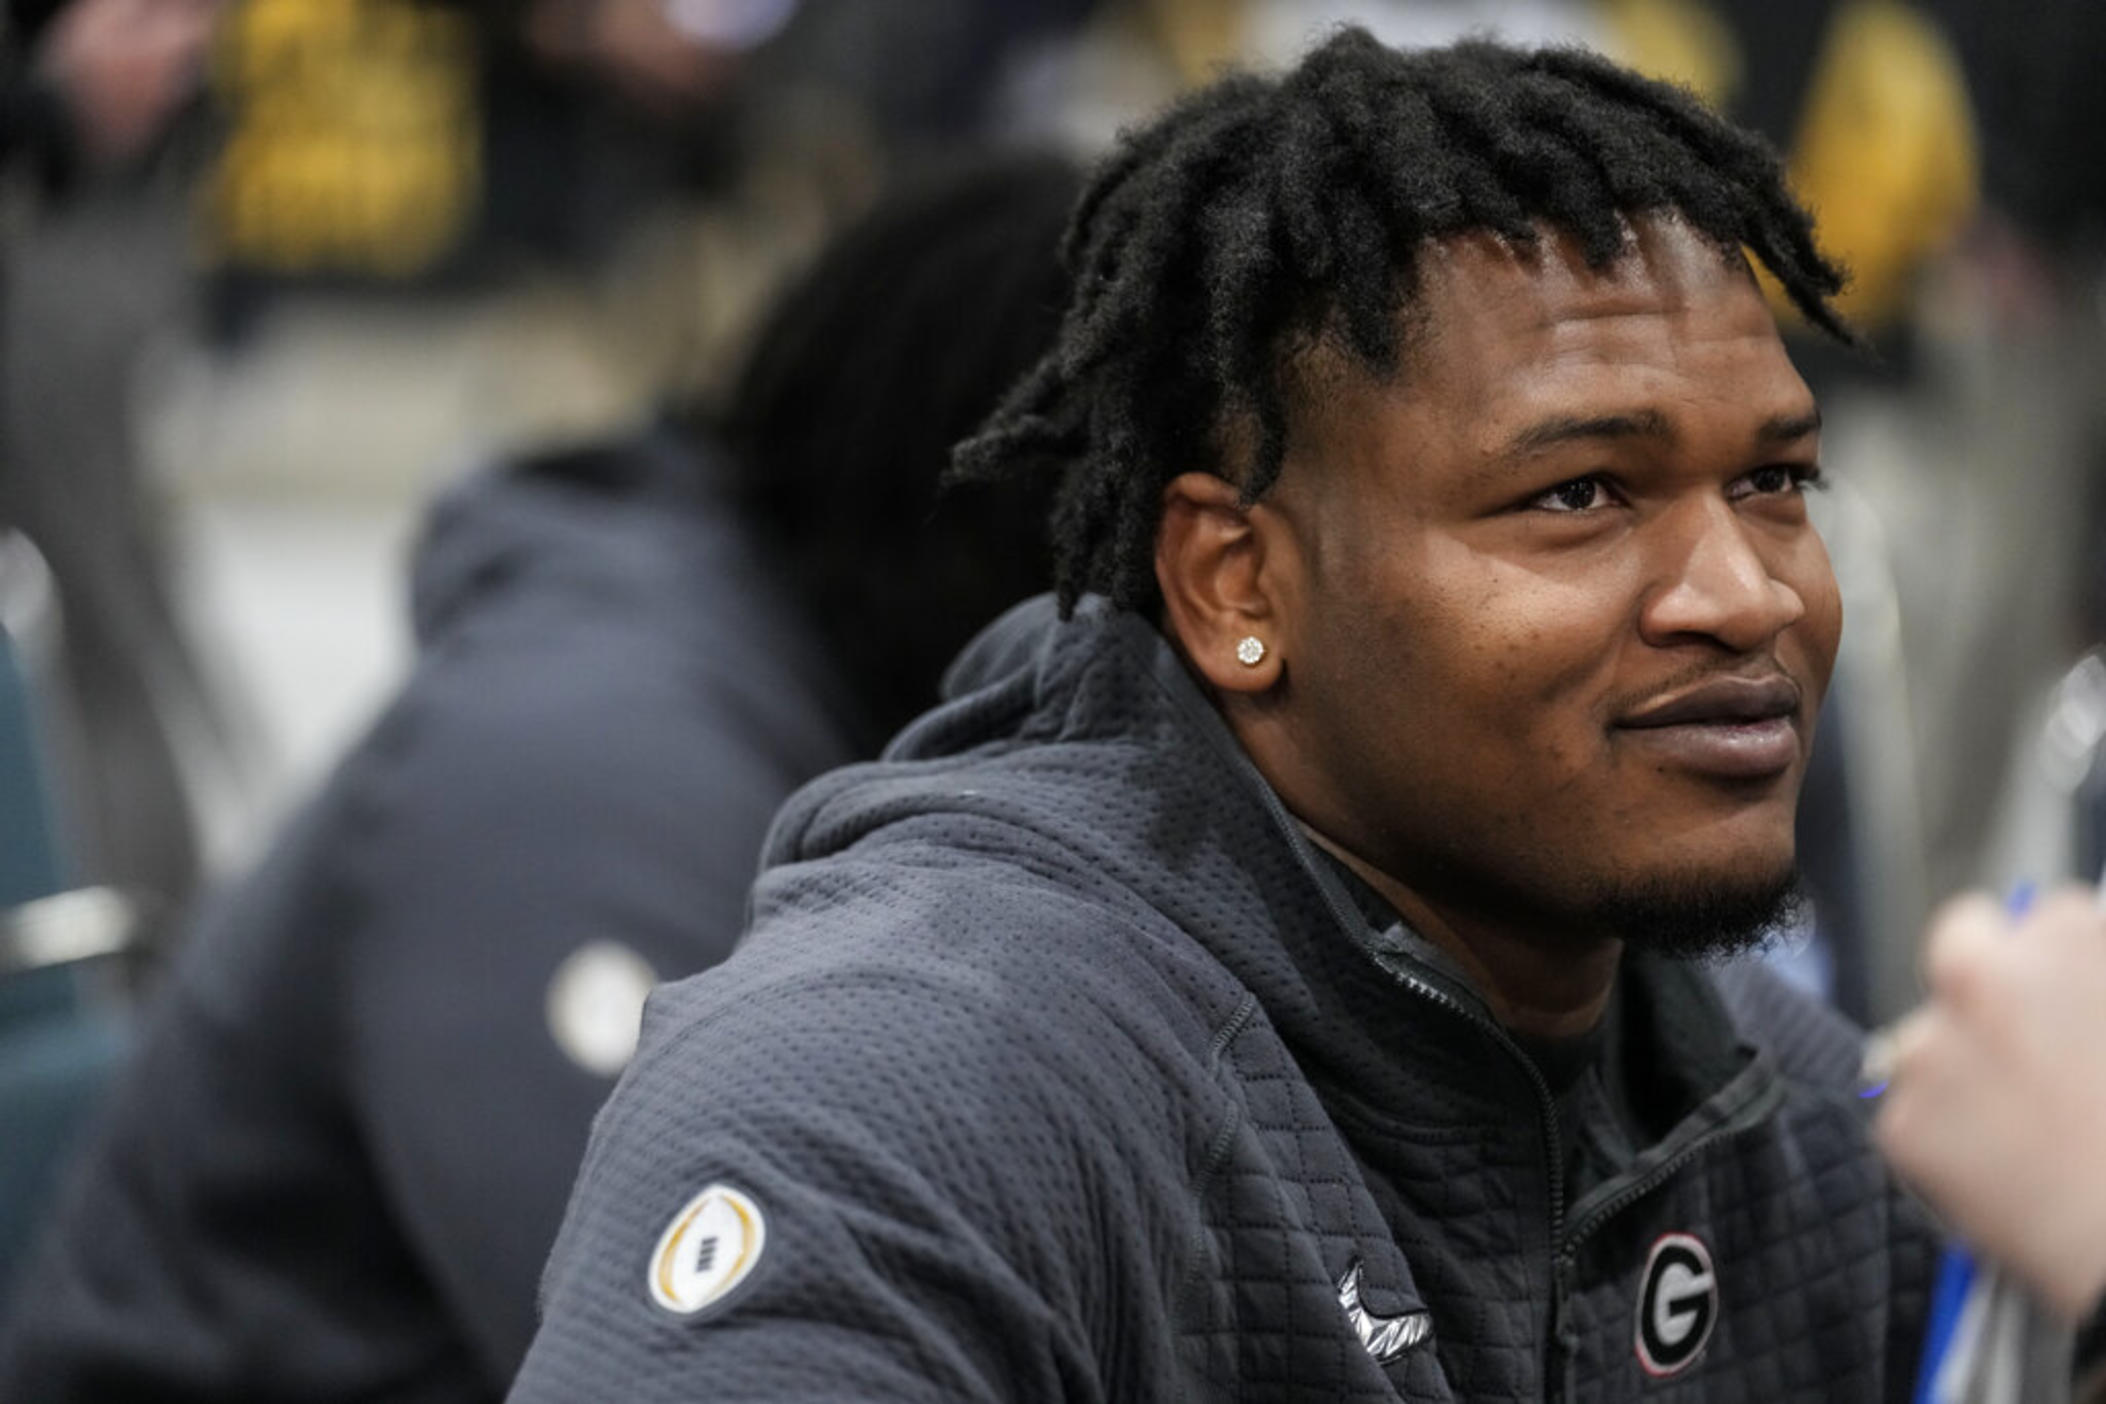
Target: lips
<point x="1731" y="728"/>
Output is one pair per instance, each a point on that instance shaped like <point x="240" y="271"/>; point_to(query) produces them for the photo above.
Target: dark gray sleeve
<point x="508" y="838"/>
<point x="947" y="1209"/>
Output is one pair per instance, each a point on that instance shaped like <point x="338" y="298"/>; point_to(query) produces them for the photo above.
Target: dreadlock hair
<point x="1262" y="217"/>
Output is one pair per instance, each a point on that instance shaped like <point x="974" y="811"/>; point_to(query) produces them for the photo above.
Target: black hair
<point x="898" y="341"/>
<point x="1262" y="216"/>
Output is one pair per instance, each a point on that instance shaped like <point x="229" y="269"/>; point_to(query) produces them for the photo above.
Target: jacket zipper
<point x="1567" y="1260"/>
<point x="1565" y="1248"/>
<point x="1546" y="1105"/>
<point x="1553" y="1164"/>
<point x="1630" y="1194"/>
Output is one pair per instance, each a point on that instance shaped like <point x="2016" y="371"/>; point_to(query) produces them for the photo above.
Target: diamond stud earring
<point x="1251" y="651"/>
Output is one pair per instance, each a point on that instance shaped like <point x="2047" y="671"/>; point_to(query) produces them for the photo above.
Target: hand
<point x="1996" y="1108"/>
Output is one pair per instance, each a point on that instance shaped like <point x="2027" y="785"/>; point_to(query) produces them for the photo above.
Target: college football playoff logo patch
<point x="1677" y="1304"/>
<point x="708" y="1249"/>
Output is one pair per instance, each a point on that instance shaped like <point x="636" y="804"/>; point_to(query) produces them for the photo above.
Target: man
<point x="1272" y="980"/>
<point x="335" y="1170"/>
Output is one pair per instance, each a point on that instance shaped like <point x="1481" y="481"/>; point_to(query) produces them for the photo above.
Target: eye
<point x="1779" y="479"/>
<point x="1578" y="495"/>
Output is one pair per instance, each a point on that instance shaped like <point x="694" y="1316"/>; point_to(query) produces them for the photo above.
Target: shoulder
<point x="608" y="733"/>
<point x="966" y="980"/>
<point x="930" y="1121"/>
<point x="590" y="628"/>
<point x="985" y="1038"/>
<point x="522" y="795"/>
<point x="1012" y="928"/>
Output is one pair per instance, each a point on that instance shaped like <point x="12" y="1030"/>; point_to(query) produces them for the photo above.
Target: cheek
<point x="1821" y="632"/>
<point x="1524" y="657"/>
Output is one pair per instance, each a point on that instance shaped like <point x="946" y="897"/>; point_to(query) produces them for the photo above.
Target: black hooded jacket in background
<point x="336" y="1167"/>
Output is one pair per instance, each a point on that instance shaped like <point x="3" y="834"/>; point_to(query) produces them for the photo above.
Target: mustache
<point x="1741" y="692"/>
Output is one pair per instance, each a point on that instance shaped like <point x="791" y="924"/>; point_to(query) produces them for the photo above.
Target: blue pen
<point x="1948" y="1304"/>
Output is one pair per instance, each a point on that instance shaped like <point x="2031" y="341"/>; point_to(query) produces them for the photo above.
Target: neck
<point x="1537" y="986"/>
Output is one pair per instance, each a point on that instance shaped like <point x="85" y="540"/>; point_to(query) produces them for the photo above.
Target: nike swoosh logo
<point x="1385" y="1337"/>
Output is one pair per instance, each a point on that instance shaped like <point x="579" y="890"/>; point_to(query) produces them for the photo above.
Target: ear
<point x="1218" y="564"/>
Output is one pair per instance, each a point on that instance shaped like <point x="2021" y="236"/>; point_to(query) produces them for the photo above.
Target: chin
<point x="1701" y="911"/>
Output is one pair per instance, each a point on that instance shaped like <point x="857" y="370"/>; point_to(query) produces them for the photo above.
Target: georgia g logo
<point x="1677" y="1304"/>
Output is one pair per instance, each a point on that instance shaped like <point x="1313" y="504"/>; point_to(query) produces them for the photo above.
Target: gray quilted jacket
<point x="1057" y="1066"/>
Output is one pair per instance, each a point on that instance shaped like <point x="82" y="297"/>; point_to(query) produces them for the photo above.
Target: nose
<point x="1716" y="585"/>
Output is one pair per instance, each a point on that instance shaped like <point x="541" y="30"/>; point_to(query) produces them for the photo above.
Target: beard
<point x="1698" y="913"/>
<point x="1698" y="917"/>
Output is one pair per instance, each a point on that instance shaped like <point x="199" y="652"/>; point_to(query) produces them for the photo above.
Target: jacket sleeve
<point x="944" y="1209"/>
<point x="509" y="841"/>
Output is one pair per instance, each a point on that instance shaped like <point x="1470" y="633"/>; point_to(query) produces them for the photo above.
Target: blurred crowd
<point x="277" y="275"/>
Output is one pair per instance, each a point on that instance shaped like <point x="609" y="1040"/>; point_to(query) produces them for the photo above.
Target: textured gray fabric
<point x="1060" y="1069"/>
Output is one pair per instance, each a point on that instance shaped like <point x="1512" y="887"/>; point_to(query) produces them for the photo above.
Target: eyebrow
<point x="1785" y="427"/>
<point x="1564" y="428"/>
<point x="1645" y="424"/>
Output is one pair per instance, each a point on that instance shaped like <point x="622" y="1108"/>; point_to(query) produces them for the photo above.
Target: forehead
<point x="1498" y="330"/>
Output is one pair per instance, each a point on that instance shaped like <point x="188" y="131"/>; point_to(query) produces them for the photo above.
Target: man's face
<point x="1557" y="623"/>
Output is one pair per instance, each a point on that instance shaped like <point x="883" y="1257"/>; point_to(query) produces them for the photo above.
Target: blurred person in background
<point x="337" y="1165"/>
<point x="445" y="232"/>
<point x="90" y="92"/>
<point x="108" y="720"/>
<point x="445" y="147"/>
